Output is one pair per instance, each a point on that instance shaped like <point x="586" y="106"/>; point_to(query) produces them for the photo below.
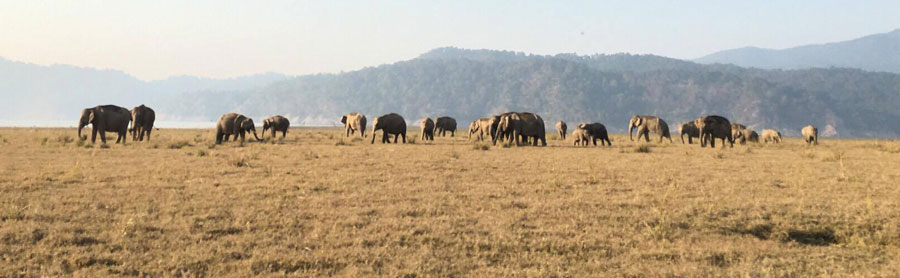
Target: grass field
<point x="317" y="205"/>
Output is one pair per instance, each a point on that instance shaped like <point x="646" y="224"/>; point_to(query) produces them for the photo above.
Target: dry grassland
<point x="317" y="205"/>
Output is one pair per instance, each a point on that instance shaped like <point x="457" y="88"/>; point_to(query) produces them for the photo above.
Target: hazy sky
<point x="158" y="39"/>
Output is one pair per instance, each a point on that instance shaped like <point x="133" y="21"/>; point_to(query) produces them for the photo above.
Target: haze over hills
<point x="34" y="92"/>
<point x="469" y="84"/>
<point x="879" y="52"/>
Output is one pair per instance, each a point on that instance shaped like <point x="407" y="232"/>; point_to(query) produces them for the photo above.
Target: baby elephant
<point x="427" y="129"/>
<point x="580" y="137"/>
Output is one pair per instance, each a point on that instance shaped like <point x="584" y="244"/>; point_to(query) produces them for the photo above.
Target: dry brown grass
<point x="316" y="205"/>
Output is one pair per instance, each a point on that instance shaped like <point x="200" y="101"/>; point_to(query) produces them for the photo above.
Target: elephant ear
<point x="91" y="117"/>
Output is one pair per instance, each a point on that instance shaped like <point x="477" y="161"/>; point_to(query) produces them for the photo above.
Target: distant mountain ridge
<point x="879" y="52"/>
<point x="469" y="84"/>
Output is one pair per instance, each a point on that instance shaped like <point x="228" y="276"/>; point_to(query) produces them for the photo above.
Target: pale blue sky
<point x="157" y="39"/>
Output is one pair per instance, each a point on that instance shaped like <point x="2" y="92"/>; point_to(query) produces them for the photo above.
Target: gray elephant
<point x="525" y="126"/>
<point x="713" y="127"/>
<point x="596" y="131"/>
<point x="751" y="135"/>
<point x="561" y="129"/>
<point x="504" y="127"/>
<point x="142" y="118"/>
<point x="444" y="124"/>
<point x="276" y="123"/>
<point x="353" y="122"/>
<point x="580" y="137"/>
<point x="427" y="129"/>
<point x="810" y="135"/>
<point x="103" y="119"/>
<point x="389" y="124"/>
<point x="647" y="124"/>
<point x="234" y="124"/>
<point x="491" y="127"/>
<point x="690" y="129"/>
<point x="771" y="135"/>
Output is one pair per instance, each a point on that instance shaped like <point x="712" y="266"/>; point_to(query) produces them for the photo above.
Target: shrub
<point x="642" y="149"/>
<point x="179" y="145"/>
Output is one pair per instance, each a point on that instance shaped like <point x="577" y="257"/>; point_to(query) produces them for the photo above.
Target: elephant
<point x="596" y="131"/>
<point x="103" y="119"/>
<point x="473" y="127"/>
<point x="276" y="123"/>
<point x="234" y="124"/>
<point x="142" y="118"/>
<point x="712" y="127"/>
<point x="514" y="126"/>
<point x="504" y="126"/>
<point x="580" y="137"/>
<point x="482" y="126"/>
<point x="737" y="132"/>
<point x="646" y="124"/>
<point x="353" y="122"/>
<point x="690" y="129"/>
<point x="771" y="135"/>
<point x="810" y="135"/>
<point x="491" y="127"/>
<point x="427" y="129"/>
<point x="561" y="129"/>
<point x="389" y="124"/>
<point x="444" y="124"/>
<point x="751" y="135"/>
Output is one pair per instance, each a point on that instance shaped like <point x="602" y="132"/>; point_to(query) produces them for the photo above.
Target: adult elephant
<point x="690" y="129"/>
<point x="276" y="123"/>
<point x="525" y="126"/>
<point x="103" y="119"/>
<point x="491" y="127"/>
<point x="427" y="129"/>
<point x="444" y="124"/>
<point x="596" y="131"/>
<point x="771" y="135"/>
<point x="712" y="127"/>
<point x="389" y="124"/>
<point x="561" y="128"/>
<point x="810" y="135"/>
<point x="234" y="124"/>
<point x="647" y="124"/>
<point x="142" y="118"/>
<point x="353" y="122"/>
<point x="531" y="127"/>
<point x="505" y="126"/>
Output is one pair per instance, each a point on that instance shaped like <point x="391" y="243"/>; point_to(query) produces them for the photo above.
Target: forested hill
<point x="468" y="84"/>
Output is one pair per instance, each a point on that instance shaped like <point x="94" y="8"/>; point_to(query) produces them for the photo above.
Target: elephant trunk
<point x="630" y="130"/>
<point x="255" y="136"/>
<point x="373" y="135"/>
<point x="80" y="126"/>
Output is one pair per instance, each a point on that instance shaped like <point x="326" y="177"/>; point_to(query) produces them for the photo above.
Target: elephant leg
<point x="384" y="137"/>
<point x="283" y="133"/>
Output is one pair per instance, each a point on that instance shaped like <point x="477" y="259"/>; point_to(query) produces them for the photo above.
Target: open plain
<point x="316" y="204"/>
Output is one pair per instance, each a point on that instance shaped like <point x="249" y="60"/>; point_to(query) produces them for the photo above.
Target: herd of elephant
<point x="518" y="127"/>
